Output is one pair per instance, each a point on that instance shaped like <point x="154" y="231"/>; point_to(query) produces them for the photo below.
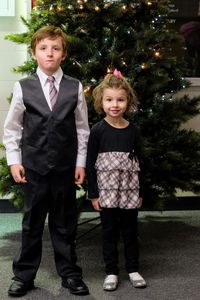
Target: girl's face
<point x="49" y="54"/>
<point x="114" y="102"/>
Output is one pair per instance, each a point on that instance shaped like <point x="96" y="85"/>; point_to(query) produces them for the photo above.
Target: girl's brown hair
<point x="119" y="82"/>
<point x="51" y="32"/>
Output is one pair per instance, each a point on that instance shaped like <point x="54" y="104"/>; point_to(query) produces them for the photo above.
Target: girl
<point x="112" y="171"/>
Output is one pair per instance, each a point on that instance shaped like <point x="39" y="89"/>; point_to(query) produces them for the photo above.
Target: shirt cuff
<point x="14" y="158"/>
<point x="81" y="161"/>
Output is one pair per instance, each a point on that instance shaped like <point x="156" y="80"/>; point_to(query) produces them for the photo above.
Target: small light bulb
<point x="143" y="66"/>
<point x="109" y="70"/>
<point x="157" y="53"/>
<point x="86" y="89"/>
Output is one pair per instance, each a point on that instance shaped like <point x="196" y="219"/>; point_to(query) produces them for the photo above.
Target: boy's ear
<point x="64" y="56"/>
<point x="33" y="55"/>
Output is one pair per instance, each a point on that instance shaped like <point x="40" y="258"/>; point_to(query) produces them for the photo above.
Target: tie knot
<point x="51" y="79"/>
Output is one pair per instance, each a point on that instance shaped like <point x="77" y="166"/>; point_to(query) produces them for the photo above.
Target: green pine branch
<point x="137" y="38"/>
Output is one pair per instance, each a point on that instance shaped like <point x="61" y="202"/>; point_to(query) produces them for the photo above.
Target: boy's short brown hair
<point x="51" y="32"/>
<point x="112" y="81"/>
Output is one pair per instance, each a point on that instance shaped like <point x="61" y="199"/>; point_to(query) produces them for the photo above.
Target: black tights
<point x="114" y="221"/>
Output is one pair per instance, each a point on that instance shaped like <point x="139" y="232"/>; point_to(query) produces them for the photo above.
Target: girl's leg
<point x="129" y="229"/>
<point x="110" y="226"/>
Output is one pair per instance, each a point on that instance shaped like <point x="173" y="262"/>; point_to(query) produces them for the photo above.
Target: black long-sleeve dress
<point x="113" y="165"/>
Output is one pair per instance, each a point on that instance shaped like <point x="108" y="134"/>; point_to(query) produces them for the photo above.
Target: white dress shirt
<point x="13" y="125"/>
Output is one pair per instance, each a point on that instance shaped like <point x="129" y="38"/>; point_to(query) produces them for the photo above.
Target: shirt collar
<point x="43" y="77"/>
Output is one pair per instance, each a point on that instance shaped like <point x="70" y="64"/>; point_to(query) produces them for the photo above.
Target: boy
<point x="45" y="136"/>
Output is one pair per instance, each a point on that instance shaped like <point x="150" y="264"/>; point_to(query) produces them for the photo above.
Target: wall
<point x="192" y="91"/>
<point x="194" y="123"/>
<point x="11" y="54"/>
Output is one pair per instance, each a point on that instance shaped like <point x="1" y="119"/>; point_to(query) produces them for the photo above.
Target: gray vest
<point x="49" y="139"/>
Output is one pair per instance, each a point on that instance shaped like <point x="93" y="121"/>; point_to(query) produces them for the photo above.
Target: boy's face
<point x="49" y="54"/>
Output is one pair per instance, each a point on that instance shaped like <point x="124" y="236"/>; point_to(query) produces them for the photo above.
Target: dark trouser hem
<point x="18" y="279"/>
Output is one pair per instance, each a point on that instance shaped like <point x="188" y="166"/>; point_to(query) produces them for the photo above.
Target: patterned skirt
<point x="117" y="178"/>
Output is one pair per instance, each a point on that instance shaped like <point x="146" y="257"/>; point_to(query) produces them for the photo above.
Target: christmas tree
<point x="135" y="37"/>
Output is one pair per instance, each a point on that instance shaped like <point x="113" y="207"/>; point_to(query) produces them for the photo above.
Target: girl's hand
<point x="140" y="200"/>
<point x="18" y="173"/>
<point x="95" y="204"/>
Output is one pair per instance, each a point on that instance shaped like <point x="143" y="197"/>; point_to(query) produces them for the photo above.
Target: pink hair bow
<point x="117" y="73"/>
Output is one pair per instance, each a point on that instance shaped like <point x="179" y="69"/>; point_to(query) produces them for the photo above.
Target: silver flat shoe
<point x="110" y="283"/>
<point x="137" y="280"/>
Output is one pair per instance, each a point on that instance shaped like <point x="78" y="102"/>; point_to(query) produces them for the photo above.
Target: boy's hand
<point x="79" y="175"/>
<point x="18" y="173"/>
<point x="95" y="204"/>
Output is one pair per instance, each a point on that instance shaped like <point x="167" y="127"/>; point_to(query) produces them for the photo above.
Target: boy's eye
<point x="54" y="48"/>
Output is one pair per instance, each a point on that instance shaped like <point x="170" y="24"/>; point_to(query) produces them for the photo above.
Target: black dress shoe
<point x="76" y="286"/>
<point x="19" y="288"/>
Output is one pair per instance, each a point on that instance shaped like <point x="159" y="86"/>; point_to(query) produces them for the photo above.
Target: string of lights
<point x="80" y="4"/>
<point x="124" y="6"/>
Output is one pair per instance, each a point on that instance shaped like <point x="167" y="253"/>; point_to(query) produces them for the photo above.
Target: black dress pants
<point x="53" y="194"/>
<point x="116" y="221"/>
